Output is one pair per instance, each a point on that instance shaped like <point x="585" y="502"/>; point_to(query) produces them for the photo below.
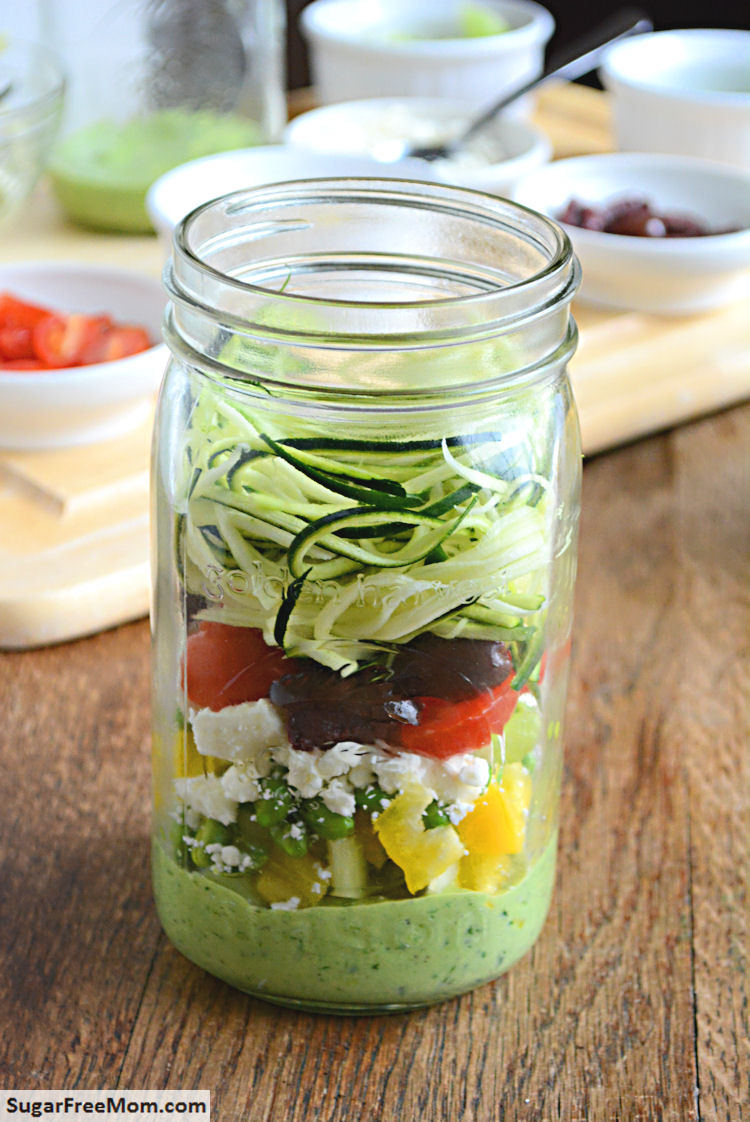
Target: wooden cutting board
<point x="74" y="539"/>
<point x="74" y="552"/>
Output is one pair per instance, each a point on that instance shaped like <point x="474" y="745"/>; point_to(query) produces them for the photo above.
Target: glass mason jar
<point x="153" y="84"/>
<point x="366" y="474"/>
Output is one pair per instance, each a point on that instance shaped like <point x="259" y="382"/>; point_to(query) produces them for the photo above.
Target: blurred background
<point x="572" y="18"/>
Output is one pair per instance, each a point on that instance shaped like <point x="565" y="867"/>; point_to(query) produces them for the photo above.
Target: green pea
<point x="275" y="802"/>
<point x="250" y="837"/>
<point x="371" y="798"/>
<point x="210" y="832"/>
<point x="435" y="815"/>
<point x="258" y="855"/>
<point x="176" y="832"/>
<point x="324" y="822"/>
<point x="213" y="832"/>
<point x="290" y="837"/>
<point x="247" y="828"/>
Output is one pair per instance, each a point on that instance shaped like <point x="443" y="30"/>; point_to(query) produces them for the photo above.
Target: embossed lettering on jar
<point x="366" y="481"/>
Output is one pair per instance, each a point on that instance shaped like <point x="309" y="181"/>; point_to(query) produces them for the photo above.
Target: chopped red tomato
<point x="228" y="665"/>
<point x="64" y="340"/>
<point x="117" y="342"/>
<point x="57" y="339"/>
<point x="20" y="313"/>
<point x="22" y="364"/>
<point x="15" y="342"/>
<point x="447" y="728"/>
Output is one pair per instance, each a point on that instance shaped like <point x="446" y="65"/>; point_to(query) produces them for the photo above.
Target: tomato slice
<point x="117" y="342"/>
<point x="56" y="339"/>
<point x="61" y="340"/>
<point x="15" y="342"/>
<point x="20" y="313"/>
<point x="22" y="364"/>
<point x="227" y="665"/>
<point x="447" y="728"/>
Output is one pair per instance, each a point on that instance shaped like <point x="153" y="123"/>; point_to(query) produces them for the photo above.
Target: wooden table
<point x="634" y="1003"/>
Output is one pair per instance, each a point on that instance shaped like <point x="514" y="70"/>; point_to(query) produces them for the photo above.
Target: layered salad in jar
<point x="356" y="787"/>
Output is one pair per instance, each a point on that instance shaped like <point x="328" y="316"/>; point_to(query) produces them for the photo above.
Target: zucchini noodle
<point x="339" y="548"/>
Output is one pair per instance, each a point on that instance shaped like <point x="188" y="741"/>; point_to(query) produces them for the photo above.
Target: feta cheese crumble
<point x="238" y="732"/>
<point x="252" y="736"/>
<point x="338" y="796"/>
<point x="240" y="785"/>
<point x="204" y="794"/>
<point x="289" y="905"/>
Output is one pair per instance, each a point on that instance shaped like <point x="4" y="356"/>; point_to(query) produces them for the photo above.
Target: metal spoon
<point x="577" y="61"/>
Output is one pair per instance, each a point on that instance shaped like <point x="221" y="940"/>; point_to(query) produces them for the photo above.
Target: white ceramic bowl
<point x="378" y="48"/>
<point x="44" y="409"/>
<point x="184" y="188"/>
<point x="682" y="92"/>
<point x="360" y="127"/>
<point x="661" y="275"/>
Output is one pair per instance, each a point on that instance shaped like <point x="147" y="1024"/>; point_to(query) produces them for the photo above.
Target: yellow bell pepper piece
<point x="156" y="763"/>
<point x="421" y="854"/>
<point x="187" y="760"/>
<point x="285" y="878"/>
<point x="496" y="825"/>
<point x="481" y="873"/>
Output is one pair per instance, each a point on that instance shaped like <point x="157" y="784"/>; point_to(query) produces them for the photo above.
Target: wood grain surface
<point x="633" y="1005"/>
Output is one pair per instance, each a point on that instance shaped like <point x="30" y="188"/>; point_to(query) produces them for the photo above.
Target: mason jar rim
<point x="250" y="299"/>
<point x="490" y="209"/>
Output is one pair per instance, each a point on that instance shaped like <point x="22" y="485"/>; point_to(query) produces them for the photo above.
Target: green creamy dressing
<point x="101" y="173"/>
<point x="392" y="955"/>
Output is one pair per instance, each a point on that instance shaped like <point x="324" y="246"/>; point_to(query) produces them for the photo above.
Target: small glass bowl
<point x="32" y="88"/>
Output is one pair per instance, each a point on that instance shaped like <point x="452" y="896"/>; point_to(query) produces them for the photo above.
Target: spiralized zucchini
<point x="340" y="548"/>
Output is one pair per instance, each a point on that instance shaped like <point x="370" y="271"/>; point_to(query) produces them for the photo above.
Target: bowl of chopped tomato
<point x="81" y="356"/>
